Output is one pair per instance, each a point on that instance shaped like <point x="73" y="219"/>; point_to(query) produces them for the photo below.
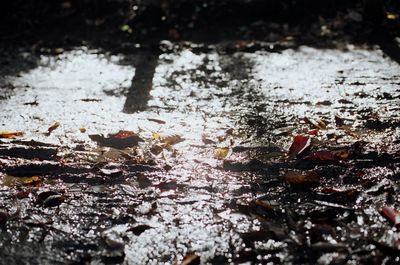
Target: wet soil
<point x="223" y="152"/>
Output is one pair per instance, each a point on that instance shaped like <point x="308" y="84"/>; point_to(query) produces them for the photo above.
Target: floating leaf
<point x="299" y="145"/>
<point x="10" y="134"/>
<point x="120" y="140"/>
<point x="221" y="153"/>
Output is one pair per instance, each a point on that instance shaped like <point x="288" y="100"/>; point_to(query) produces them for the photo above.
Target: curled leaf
<point x="391" y="214"/>
<point x="11" y="135"/>
<point x="191" y="259"/>
<point x="299" y="145"/>
<point x="52" y="128"/>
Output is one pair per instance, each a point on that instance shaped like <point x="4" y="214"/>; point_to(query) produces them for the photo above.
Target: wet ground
<point x="264" y="156"/>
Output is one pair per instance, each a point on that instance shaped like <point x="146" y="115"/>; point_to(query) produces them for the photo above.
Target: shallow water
<point x="239" y="100"/>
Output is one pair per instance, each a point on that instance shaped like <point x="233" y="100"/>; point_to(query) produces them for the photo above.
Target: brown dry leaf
<point x="172" y="139"/>
<point x="82" y="130"/>
<point x="168" y="139"/>
<point x="119" y="140"/>
<point x="34" y="181"/>
<point x="156" y="149"/>
<point x="311" y="178"/>
<point x="321" y="124"/>
<point x="52" y="128"/>
<point x="11" y="135"/>
<point x="156" y="120"/>
<point x="191" y="259"/>
<point x="264" y="204"/>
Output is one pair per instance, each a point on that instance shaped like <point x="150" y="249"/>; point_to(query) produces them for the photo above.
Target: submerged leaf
<point x="311" y="178"/>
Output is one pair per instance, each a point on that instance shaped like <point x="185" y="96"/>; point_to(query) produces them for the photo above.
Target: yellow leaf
<point x="391" y="16"/>
<point x="156" y="136"/>
<point x="221" y="153"/>
<point x="82" y="130"/>
<point x="10" y="134"/>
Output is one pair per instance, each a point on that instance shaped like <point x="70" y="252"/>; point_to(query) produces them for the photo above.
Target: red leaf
<point x="299" y="145"/>
<point x="313" y="132"/>
<point x="391" y="214"/>
<point x="328" y="155"/>
<point x="123" y="134"/>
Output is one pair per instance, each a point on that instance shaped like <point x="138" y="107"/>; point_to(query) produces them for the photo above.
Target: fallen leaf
<point x="156" y="149"/>
<point x="4" y="216"/>
<point x="311" y="178"/>
<point x="222" y="153"/>
<point x="82" y="130"/>
<point x="321" y="124"/>
<point x="10" y="134"/>
<point x="264" y="204"/>
<point x="137" y="230"/>
<point x="172" y="139"/>
<point x="391" y="214"/>
<point x="120" y="140"/>
<point x="206" y="140"/>
<point x="156" y="120"/>
<point x="338" y="121"/>
<point x="50" y="199"/>
<point x="52" y="128"/>
<point x="34" y="181"/>
<point x="191" y="259"/>
<point x="313" y="132"/>
<point x="299" y="145"/>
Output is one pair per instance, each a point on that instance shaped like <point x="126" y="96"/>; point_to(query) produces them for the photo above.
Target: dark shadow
<point x="139" y="92"/>
<point x="222" y="25"/>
